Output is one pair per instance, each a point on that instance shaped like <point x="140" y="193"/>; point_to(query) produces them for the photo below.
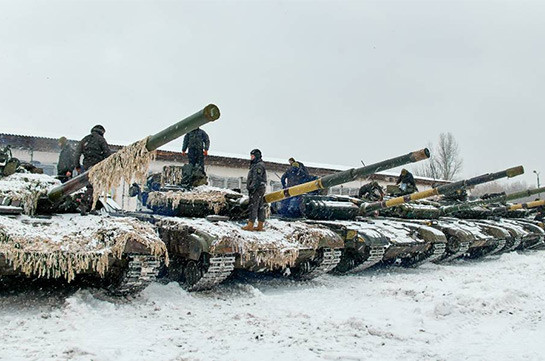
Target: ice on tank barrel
<point x="346" y="176"/>
<point x="208" y="114"/>
<point x="441" y="190"/>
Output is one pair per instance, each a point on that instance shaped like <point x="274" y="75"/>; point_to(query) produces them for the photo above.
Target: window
<point x="216" y="181"/>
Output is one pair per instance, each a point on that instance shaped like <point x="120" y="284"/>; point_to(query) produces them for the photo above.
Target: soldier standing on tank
<point x="94" y="149"/>
<point x="65" y="166"/>
<point x="256" y="183"/>
<point x="196" y="142"/>
<point x="296" y="174"/>
<point x="406" y="182"/>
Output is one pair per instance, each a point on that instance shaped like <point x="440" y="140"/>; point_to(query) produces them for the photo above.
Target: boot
<point x="249" y="226"/>
<point x="260" y="226"/>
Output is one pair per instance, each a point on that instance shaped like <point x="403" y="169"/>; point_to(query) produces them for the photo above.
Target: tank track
<point x="497" y="248"/>
<point x="437" y="251"/>
<point x="219" y="269"/>
<point x="329" y="260"/>
<point x="515" y="245"/>
<point x="376" y="253"/>
<point x="464" y="247"/>
<point x="538" y="245"/>
<point x="140" y="272"/>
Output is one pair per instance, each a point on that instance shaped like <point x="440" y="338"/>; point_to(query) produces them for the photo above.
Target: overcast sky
<point x="323" y="81"/>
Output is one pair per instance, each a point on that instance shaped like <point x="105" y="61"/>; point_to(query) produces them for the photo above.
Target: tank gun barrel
<point x="204" y="116"/>
<point x="441" y="190"/>
<point x="346" y="176"/>
<point x="499" y="199"/>
<point x="515" y="207"/>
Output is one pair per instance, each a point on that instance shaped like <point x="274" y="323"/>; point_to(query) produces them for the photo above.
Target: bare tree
<point x="445" y="161"/>
<point x="497" y="187"/>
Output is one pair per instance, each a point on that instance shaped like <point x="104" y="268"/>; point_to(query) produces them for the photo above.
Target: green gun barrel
<point x="367" y="208"/>
<point x="204" y="116"/>
<point x="346" y="176"/>
<point x="515" y="207"/>
<point x="499" y="199"/>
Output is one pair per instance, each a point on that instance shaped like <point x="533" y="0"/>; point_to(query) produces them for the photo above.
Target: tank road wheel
<point x="192" y="273"/>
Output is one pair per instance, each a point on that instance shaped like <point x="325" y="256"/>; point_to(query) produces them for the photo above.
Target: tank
<point x="525" y="233"/>
<point x="470" y="237"/>
<point x="205" y="226"/>
<point x="41" y="240"/>
<point x="401" y="241"/>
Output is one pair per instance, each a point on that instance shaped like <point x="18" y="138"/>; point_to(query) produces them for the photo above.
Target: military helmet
<point x="62" y="141"/>
<point x="99" y="129"/>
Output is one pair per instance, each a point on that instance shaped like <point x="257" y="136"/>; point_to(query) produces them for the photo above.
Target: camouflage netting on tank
<point x="276" y="248"/>
<point x="67" y="245"/>
<point x="215" y="198"/>
<point x="172" y="174"/>
<point x="130" y="164"/>
<point x="25" y="189"/>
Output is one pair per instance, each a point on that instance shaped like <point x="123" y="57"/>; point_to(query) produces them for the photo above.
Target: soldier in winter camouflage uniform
<point x="94" y="149"/>
<point x="256" y="182"/>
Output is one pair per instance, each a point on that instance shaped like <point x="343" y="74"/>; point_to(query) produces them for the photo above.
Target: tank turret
<point x="502" y="198"/>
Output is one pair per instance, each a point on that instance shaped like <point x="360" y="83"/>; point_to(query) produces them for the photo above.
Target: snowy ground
<point x="481" y="310"/>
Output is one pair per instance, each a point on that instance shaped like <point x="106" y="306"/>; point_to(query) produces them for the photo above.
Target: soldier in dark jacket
<point x="196" y="142"/>
<point x="256" y="182"/>
<point x="296" y="174"/>
<point x="371" y="192"/>
<point x="94" y="149"/>
<point x="65" y="166"/>
<point x="406" y="182"/>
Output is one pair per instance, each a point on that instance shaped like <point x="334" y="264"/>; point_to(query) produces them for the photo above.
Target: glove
<point x="184" y="153"/>
<point x="205" y="153"/>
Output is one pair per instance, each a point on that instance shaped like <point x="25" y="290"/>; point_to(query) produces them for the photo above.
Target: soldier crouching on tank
<point x="256" y="182"/>
<point x="371" y="192"/>
<point x="65" y="166"/>
<point x="94" y="149"/>
<point x="406" y="182"/>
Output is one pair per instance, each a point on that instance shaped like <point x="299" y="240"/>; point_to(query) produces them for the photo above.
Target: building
<point x="223" y="171"/>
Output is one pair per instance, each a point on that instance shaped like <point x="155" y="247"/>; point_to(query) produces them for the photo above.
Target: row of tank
<point x="194" y="236"/>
